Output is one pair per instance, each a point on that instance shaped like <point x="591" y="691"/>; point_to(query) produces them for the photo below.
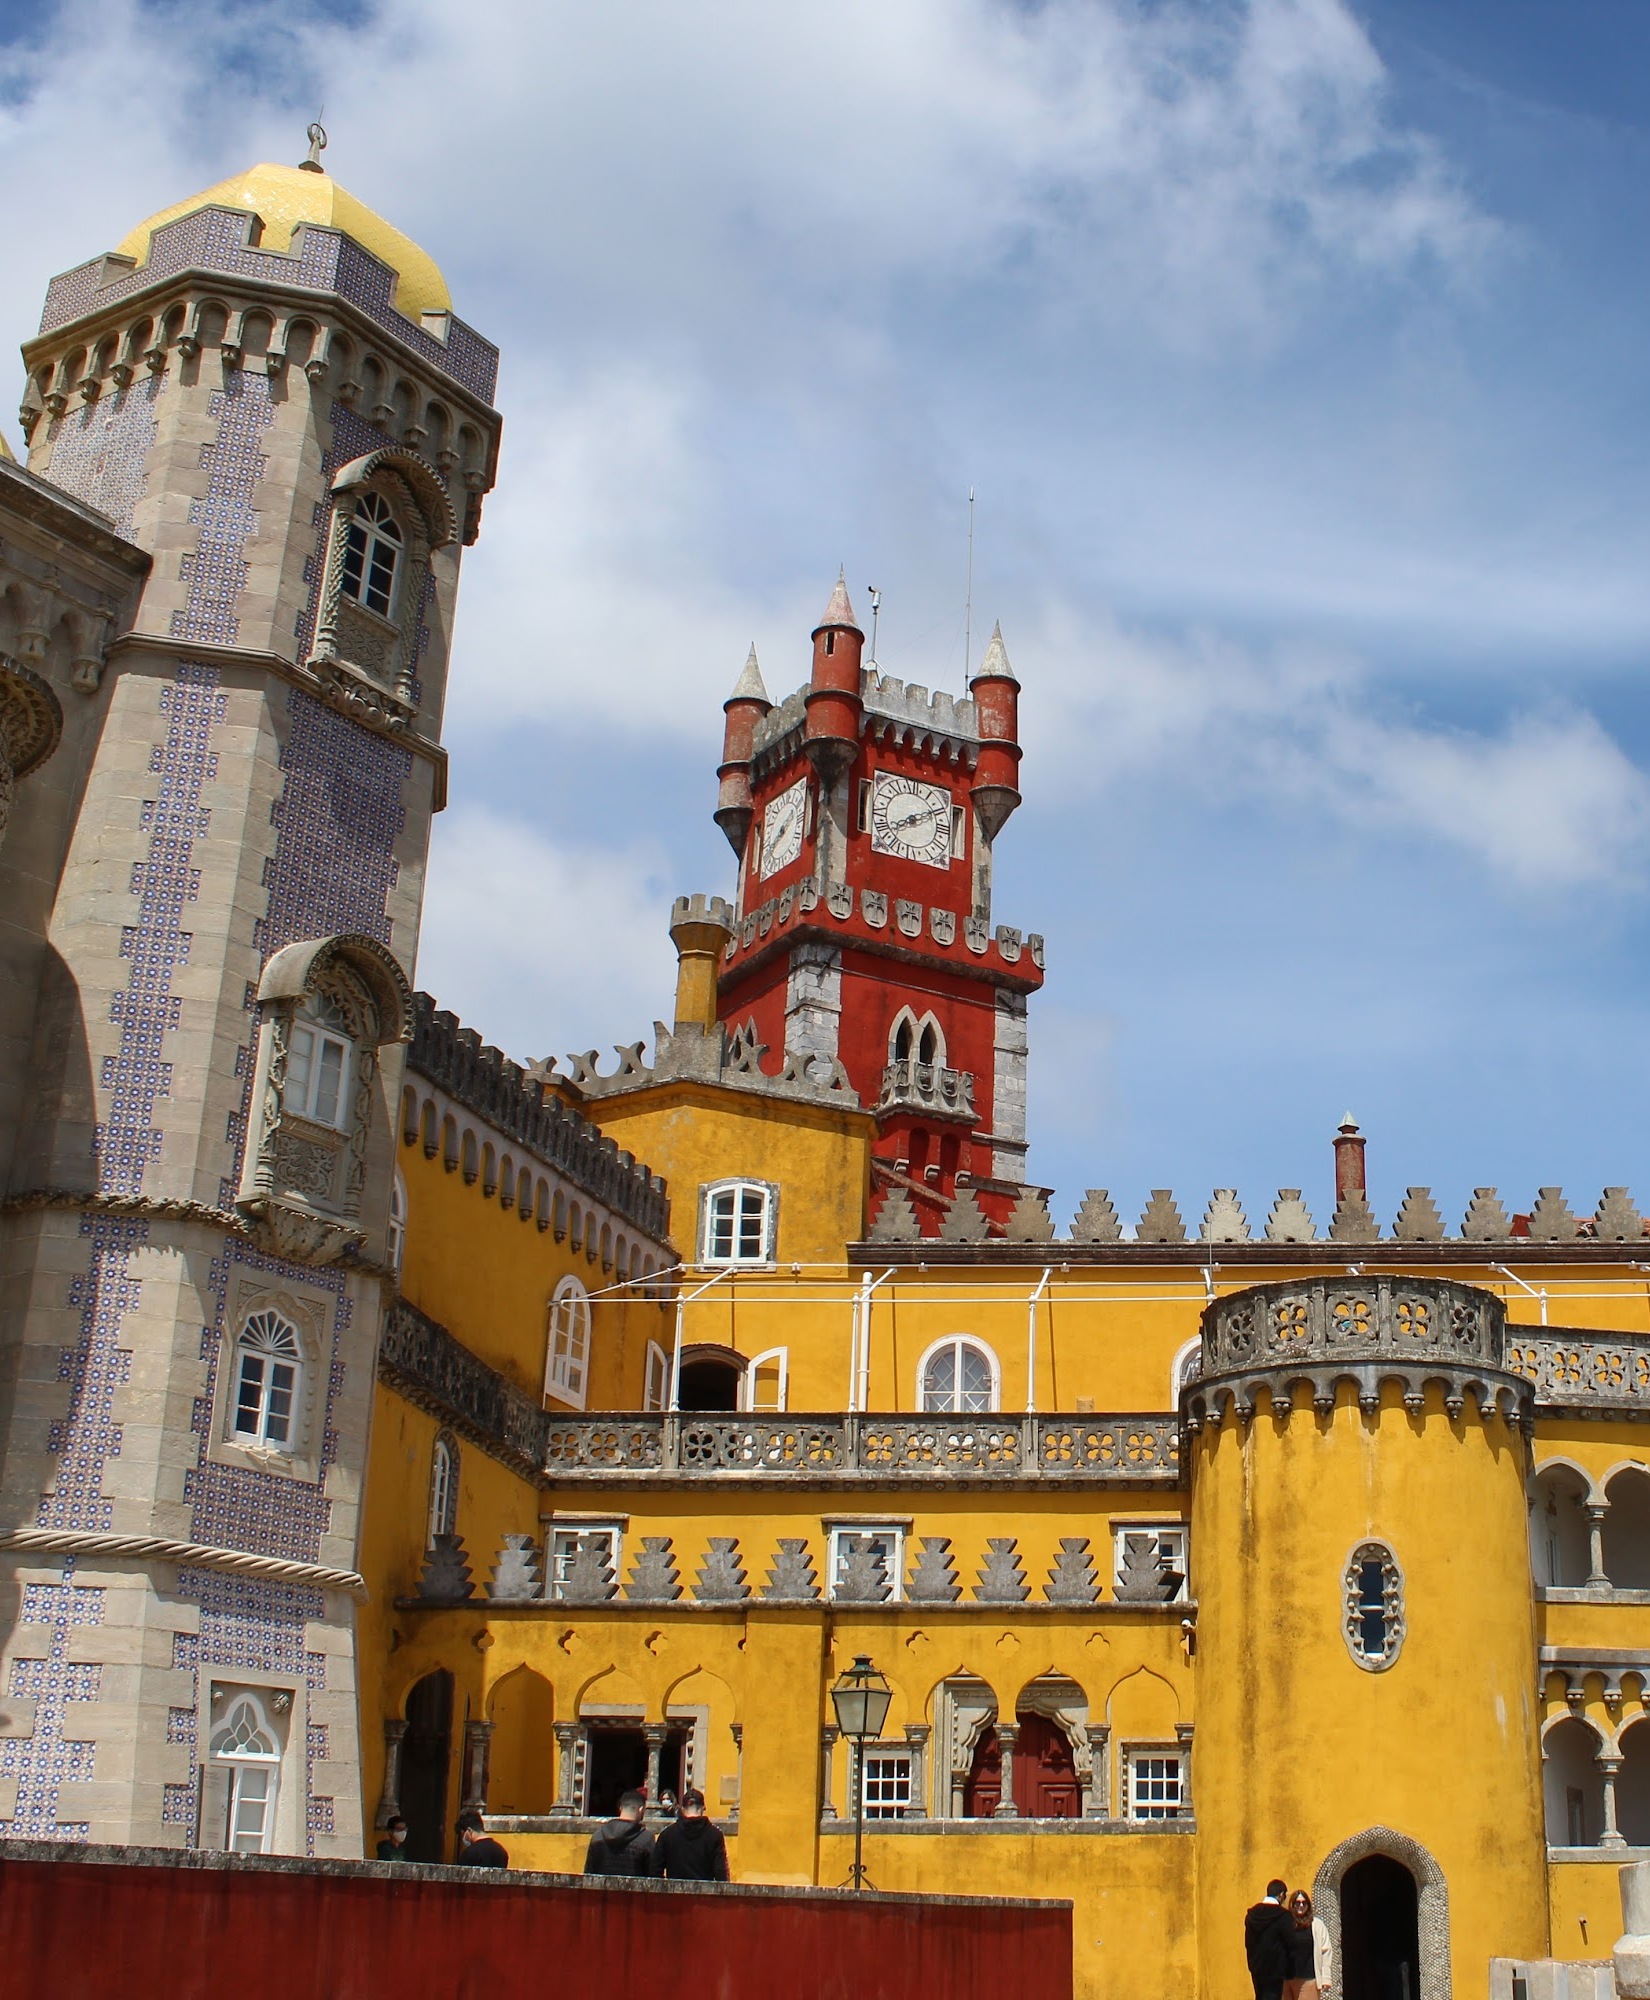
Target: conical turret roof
<point x="749" y="686"/>
<point x="995" y="664"/>
<point x="839" y="611"/>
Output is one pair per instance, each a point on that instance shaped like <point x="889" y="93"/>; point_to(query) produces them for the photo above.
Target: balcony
<point x="928" y="1089"/>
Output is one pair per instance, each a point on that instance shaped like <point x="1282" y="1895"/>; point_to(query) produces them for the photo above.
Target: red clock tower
<point x="863" y="814"/>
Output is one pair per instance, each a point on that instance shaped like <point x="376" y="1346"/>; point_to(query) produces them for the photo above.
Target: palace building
<point x="387" y="1426"/>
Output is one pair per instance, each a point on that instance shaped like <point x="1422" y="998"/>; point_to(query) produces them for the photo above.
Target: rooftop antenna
<point x="317" y="137"/>
<point x="876" y="607"/>
<point x="968" y="601"/>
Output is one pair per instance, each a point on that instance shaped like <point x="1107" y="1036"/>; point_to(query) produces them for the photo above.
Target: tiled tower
<point x="864" y="813"/>
<point x="258" y="439"/>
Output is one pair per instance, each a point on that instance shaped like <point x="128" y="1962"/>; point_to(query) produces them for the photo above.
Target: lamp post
<point x="861" y="1697"/>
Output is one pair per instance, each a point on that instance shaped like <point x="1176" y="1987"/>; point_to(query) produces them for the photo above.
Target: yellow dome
<point x="286" y="196"/>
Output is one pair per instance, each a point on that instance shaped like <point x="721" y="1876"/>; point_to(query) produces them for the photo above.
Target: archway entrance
<point x="1380" y="1931"/>
<point x="710" y="1378"/>
<point x="425" y="1752"/>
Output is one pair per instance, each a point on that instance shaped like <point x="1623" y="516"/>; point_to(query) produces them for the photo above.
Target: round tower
<point x="744" y="709"/>
<point x="834" y="703"/>
<point x="996" y="787"/>
<point x="1366" y="1645"/>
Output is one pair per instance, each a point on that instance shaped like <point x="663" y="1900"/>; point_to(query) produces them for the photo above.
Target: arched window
<point x="247" y="1761"/>
<point x="567" y="1358"/>
<point x="268" y="1365"/>
<point x="395" y="1243"/>
<point x="1374" y="1606"/>
<point x="737" y="1223"/>
<point x="443" y="1487"/>
<point x="913" y="1040"/>
<point x="958" y="1376"/>
<point x="318" y="1063"/>
<point x="372" y="555"/>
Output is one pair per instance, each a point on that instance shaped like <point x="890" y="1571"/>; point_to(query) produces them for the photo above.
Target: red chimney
<point x="1349" y="1160"/>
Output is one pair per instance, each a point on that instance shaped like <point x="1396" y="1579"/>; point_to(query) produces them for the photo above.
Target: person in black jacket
<point x="393" y="1847"/>
<point x="691" y="1848"/>
<point x="476" y="1846"/>
<point x="623" y="1846"/>
<point x="1266" y="1928"/>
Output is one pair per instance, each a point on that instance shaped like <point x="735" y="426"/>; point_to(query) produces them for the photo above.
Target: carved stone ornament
<point x="31" y="724"/>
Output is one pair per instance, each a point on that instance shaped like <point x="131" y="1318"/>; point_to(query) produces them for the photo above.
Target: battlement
<point x="933" y="714"/>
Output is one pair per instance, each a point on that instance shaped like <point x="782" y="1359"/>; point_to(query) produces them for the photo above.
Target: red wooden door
<point x="1045" y="1776"/>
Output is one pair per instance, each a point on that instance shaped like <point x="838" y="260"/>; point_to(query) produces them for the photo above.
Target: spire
<point x="317" y="137"/>
<point x="995" y="664"/>
<point x="839" y="611"/>
<point x="749" y="685"/>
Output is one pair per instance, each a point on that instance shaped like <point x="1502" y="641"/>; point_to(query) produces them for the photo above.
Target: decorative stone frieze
<point x="928" y="1088"/>
<point x="421" y="1360"/>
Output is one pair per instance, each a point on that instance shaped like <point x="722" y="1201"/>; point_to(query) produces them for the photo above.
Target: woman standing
<point x="1307" y="1938"/>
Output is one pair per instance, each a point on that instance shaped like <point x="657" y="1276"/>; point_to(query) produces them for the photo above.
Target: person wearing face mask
<point x="393" y="1847"/>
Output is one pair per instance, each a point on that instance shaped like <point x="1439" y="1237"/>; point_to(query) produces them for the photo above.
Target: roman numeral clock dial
<point x="911" y="820"/>
<point x="783" y="824"/>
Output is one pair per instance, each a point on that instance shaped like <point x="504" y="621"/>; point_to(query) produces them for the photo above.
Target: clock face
<point x="783" y="821"/>
<point x="911" y="820"/>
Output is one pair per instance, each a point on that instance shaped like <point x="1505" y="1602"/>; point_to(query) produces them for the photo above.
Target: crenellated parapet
<point x="1316" y="1334"/>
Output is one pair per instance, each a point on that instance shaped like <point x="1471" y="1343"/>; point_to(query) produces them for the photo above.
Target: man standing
<point x="1265" y="1946"/>
<point x="691" y="1848"/>
<point x="476" y="1847"/>
<point x="623" y="1846"/>
<point x="393" y="1847"/>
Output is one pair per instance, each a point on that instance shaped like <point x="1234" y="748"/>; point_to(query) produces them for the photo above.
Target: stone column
<point x="655" y="1733"/>
<point x="1612" y="1836"/>
<point x="737" y="1731"/>
<point x="1008" y="1734"/>
<point x="1598" y="1578"/>
<point x="1098" y="1803"/>
<point x="916" y="1735"/>
<point x="478" y="1740"/>
<point x="567" y="1763"/>
<point x="389" y="1802"/>
<point x="827" y="1745"/>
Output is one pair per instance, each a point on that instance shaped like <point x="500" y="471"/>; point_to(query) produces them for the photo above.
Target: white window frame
<point x="959" y="1341"/>
<point x="893" y="1532"/>
<point x="259" y="1343"/>
<point x="568" y="1343"/>
<point x="888" y="1793"/>
<point x="395" y="1237"/>
<point x="443" y="1517"/>
<point x="1152" y="1811"/>
<point x="742" y="1200"/>
<point x="747" y="1393"/>
<point x="562" y="1547"/>
<point x="656" y="1378"/>
<point x="245" y="1771"/>
<point x="370" y="532"/>
<point x="1173" y="1539"/>
<point x="310" y="1038"/>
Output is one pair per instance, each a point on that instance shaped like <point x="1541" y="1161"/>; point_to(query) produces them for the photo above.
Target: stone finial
<point x="1551" y="1220"/>
<point x="1618" y="1220"/>
<point x="864" y="1577"/>
<point x="1096" y="1221"/>
<point x="896" y="1219"/>
<point x="965" y="1220"/>
<point x="1144" y="1577"/>
<point x="721" y="1575"/>
<point x="1160" y="1220"/>
<point x="518" y="1575"/>
<point x="791" y="1573"/>
<point x="1418" y="1220"/>
<point x="654" y="1578"/>
<point x="589" y="1578"/>
<point x="1072" y="1579"/>
<point x="1353" y="1221"/>
<point x="445" y="1578"/>
<point x="934" y="1574"/>
<point x="1002" y="1576"/>
<point x="1029" y="1220"/>
<point x="1485" y="1220"/>
<point x="1290" y="1220"/>
<point x="1224" y="1220"/>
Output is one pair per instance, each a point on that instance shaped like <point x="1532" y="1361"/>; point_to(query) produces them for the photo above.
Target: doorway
<point x="710" y="1378"/>
<point x="1380" y="1931"/>
<point x="616" y="1763"/>
<point x="1045" y="1774"/>
<point x="426" y="1750"/>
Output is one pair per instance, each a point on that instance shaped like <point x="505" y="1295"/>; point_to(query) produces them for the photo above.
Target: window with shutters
<point x="567" y="1353"/>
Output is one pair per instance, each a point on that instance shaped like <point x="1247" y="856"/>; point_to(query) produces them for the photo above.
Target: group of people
<point x="690" y="1849"/>
<point x="1287" y="1946"/>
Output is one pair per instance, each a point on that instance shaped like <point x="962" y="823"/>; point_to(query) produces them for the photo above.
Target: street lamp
<point x="861" y="1698"/>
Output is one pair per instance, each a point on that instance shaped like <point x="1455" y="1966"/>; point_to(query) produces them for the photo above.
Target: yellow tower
<point x="1361" y="1557"/>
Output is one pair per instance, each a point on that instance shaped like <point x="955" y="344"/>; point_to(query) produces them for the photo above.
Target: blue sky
<point x="1295" y="350"/>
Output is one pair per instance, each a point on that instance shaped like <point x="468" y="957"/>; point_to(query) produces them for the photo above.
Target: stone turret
<point x="700" y="927"/>
<point x="996" y="692"/>
<point x="834" y="701"/>
<point x="744" y="709"/>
